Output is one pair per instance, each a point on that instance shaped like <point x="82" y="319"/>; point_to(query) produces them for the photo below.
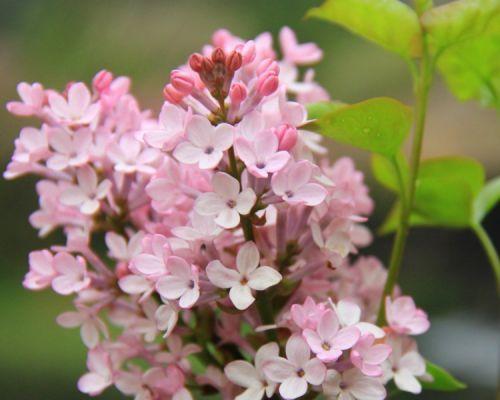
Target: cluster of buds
<point x="232" y="262"/>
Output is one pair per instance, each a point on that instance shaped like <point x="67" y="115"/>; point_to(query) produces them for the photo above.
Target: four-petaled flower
<point x="77" y="109"/>
<point x="226" y="202"/>
<point x="247" y="276"/>
<point x="71" y="272"/>
<point x="206" y="143"/>
<point x="352" y="385"/>
<point x="296" y="370"/>
<point x="404" y="317"/>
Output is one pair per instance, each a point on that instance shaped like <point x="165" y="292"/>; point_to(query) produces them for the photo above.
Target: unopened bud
<point x="207" y="65"/>
<point x="267" y="83"/>
<point x="196" y="62"/>
<point x="287" y="136"/>
<point x="268" y="64"/>
<point x="172" y="95"/>
<point x="182" y="81"/>
<point x="234" y="62"/>
<point x="248" y="52"/>
<point x="218" y="56"/>
<point x="237" y="93"/>
<point x="102" y="80"/>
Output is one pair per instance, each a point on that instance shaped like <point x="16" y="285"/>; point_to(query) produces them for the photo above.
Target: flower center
<point x="244" y="281"/>
<point x="342" y="385"/>
<point x="326" y="346"/>
<point x="260" y="165"/>
<point x="289" y="193"/>
<point x="231" y="203"/>
<point x="300" y="373"/>
<point x="209" y="150"/>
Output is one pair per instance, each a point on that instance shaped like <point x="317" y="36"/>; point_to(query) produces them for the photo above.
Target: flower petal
<point x="263" y="277"/>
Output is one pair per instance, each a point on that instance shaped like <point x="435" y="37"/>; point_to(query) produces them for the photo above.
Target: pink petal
<point x="179" y="267"/>
<point x="199" y="131"/>
<point x="134" y="284"/>
<point x="245" y="201"/>
<point x="277" y="161"/>
<point x="78" y="98"/>
<point x="92" y="383"/>
<point x="223" y="137"/>
<point x="278" y="369"/>
<point x="210" y="161"/>
<point x="70" y="319"/>
<point x="315" y="372"/>
<point x="189" y="298"/>
<point x="228" y="218"/>
<point x="314" y="341"/>
<point x="89" y="334"/>
<point x="248" y="258"/>
<point x="242" y="374"/>
<point x="293" y="387"/>
<point x="263" y="277"/>
<point x="405" y="381"/>
<point x="148" y="264"/>
<point x="244" y="150"/>
<point x="346" y="338"/>
<point x="328" y="325"/>
<point x="225" y="186"/>
<point x="221" y="276"/>
<point x="171" y="287"/>
<point x="59" y="105"/>
<point x="311" y="194"/>
<point x="187" y="153"/>
<point x="297" y="351"/>
<point x="241" y="296"/>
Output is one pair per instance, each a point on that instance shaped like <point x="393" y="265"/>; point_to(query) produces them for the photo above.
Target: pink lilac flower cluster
<point x="213" y="249"/>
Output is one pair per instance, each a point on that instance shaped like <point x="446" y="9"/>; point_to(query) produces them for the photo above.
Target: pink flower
<point x="247" y="276"/>
<point x="77" y="109"/>
<point x="227" y="202"/>
<point x="206" y="143"/>
<point x="203" y="228"/>
<point x="100" y="375"/>
<point x="352" y="385"/>
<point x="91" y="326"/>
<point x="404" y="317"/>
<point x="296" y="370"/>
<point x="88" y="193"/>
<point x="71" y="150"/>
<point x="328" y="341"/>
<point x="152" y="263"/>
<point x="405" y="365"/>
<point x="166" y="317"/>
<point x="41" y="271"/>
<point x="368" y="356"/>
<point x="181" y="283"/>
<point x="71" y="272"/>
<point x="31" y="146"/>
<point x="261" y="155"/>
<point x="309" y="314"/>
<point x="122" y="250"/>
<point x="244" y="374"/>
<point x="178" y="352"/>
<point x="32" y="96"/>
<point x="130" y="157"/>
<point x="293" y="185"/>
<point x="171" y="127"/>
<point x="349" y="314"/>
<point x="295" y="53"/>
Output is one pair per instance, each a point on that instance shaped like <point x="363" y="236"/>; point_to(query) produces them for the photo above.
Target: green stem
<point x="490" y="251"/>
<point x="422" y="87"/>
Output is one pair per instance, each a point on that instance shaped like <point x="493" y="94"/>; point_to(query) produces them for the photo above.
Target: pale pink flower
<point x="405" y="365"/>
<point x="77" y="109"/>
<point x="152" y="263"/>
<point x="137" y="284"/>
<point x="244" y="374"/>
<point x="247" y="276"/>
<point x="349" y="314"/>
<point x="166" y="317"/>
<point x="404" y="317"/>
<point x="72" y="275"/>
<point x="226" y="202"/>
<point x="130" y="157"/>
<point x="171" y="127"/>
<point x="32" y="96"/>
<point x="100" y="375"/>
<point x="178" y="353"/>
<point x="295" y="53"/>
<point x="352" y="385"/>
<point x="31" y="146"/>
<point x="293" y="184"/>
<point x="308" y="315"/>
<point x="368" y="356"/>
<point x="295" y="371"/>
<point x="328" y="340"/>
<point x="181" y="283"/>
<point x="261" y="155"/>
<point x="41" y="271"/>
<point x="205" y="143"/>
<point x="121" y="249"/>
<point x="133" y="383"/>
<point x="88" y="193"/>
<point x="91" y="326"/>
<point x="203" y="228"/>
<point x="71" y="150"/>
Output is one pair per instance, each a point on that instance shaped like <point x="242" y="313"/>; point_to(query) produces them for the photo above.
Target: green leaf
<point x="391" y="221"/>
<point x="488" y="197"/>
<point x="379" y="125"/>
<point x="442" y="379"/>
<point x="390" y="172"/>
<point x="388" y="23"/>
<point x="457" y="21"/>
<point x="317" y="110"/>
<point x="422" y="6"/>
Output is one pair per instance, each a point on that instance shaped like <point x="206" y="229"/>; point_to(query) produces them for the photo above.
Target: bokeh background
<point x="55" y="41"/>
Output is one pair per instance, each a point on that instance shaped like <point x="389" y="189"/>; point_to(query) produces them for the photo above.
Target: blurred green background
<point x="55" y="41"/>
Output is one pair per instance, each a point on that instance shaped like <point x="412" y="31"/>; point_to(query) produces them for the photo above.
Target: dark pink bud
<point x="182" y="81"/>
<point x="172" y="95"/>
<point x="122" y="270"/>
<point x="207" y="65"/>
<point x="102" y="80"/>
<point x="196" y="62"/>
<point x="218" y="56"/>
<point x="233" y="62"/>
<point x="267" y="83"/>
<point x="237" y="93"/>
<point x="287" y="136"/>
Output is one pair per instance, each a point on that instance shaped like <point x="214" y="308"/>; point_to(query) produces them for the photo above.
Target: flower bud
<point x="172" y="95"/>
<point x="102" y="80"/>
<point x="196" y="62"/>
<point x="287" y="136"/>
<point x="248" y="52"/>
<point x="267" y="83"/>
<point x="218" y="56"/>
<point x="182" y="81"/>
<point x="233" y="62"/>
<point x="266" y="65"/>
<point x="237" y="93"/>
